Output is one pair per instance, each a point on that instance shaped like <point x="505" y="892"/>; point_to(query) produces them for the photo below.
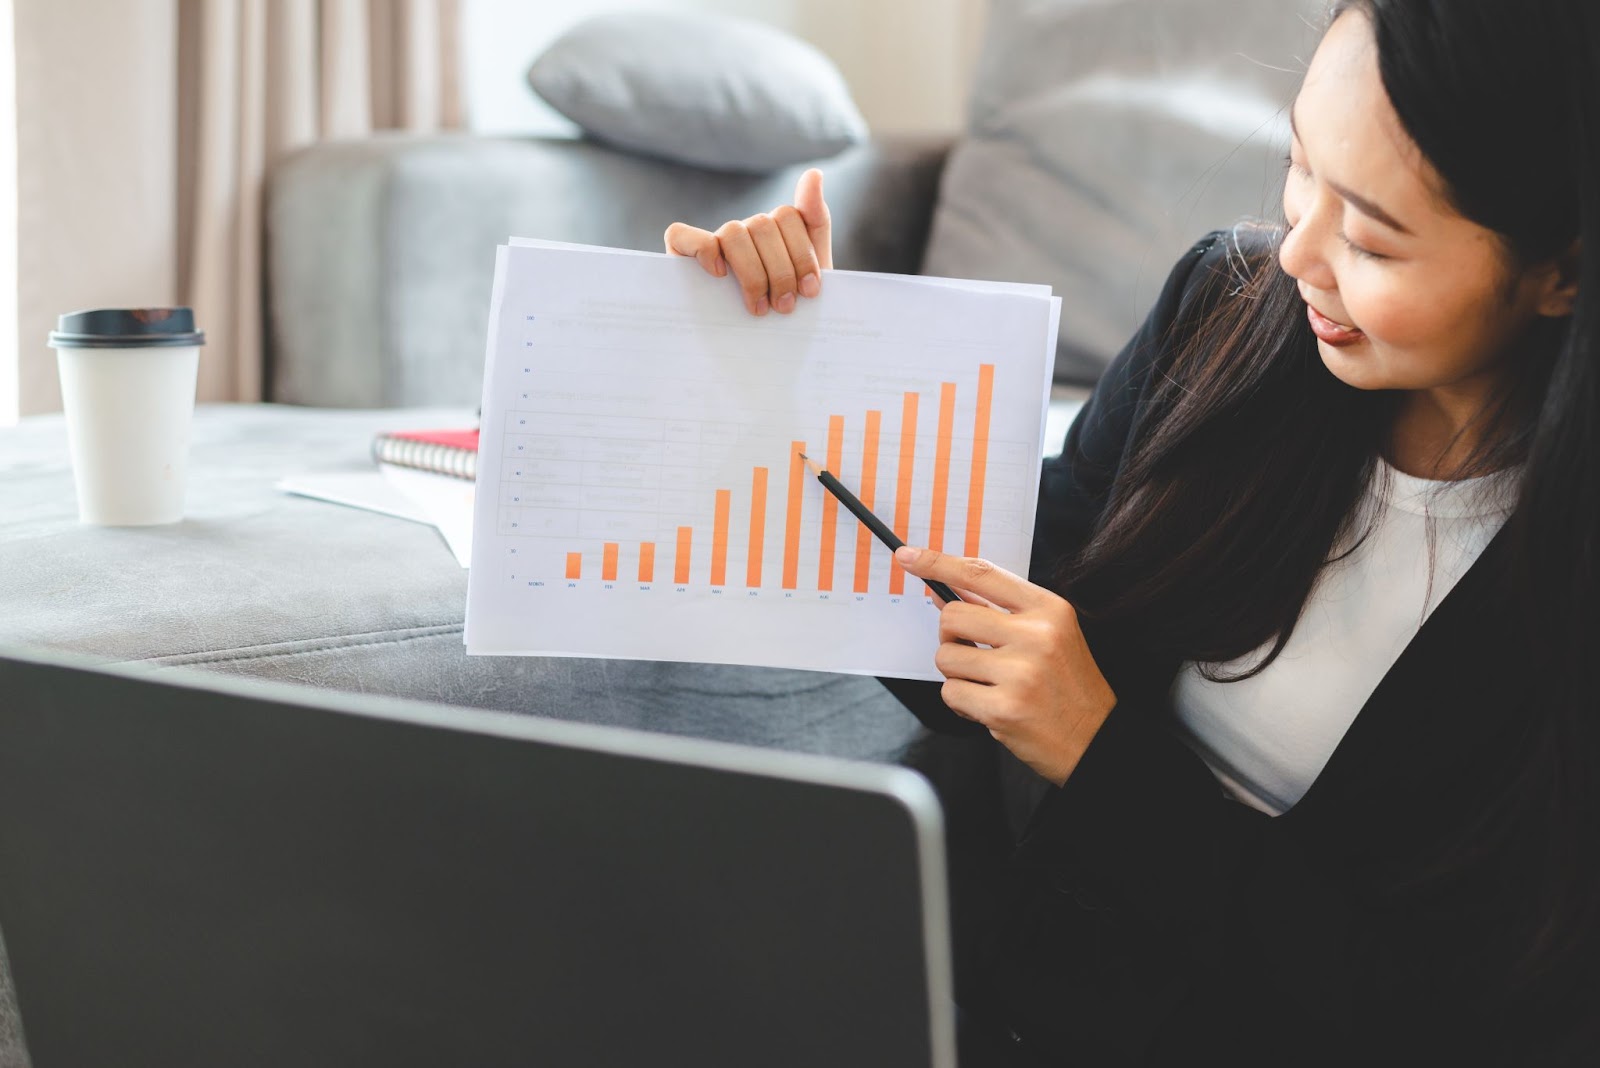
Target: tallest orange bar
<point x="980" y="457"/>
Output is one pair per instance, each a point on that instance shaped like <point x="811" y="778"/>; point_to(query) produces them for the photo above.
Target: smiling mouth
<point x="1331" y="332"/>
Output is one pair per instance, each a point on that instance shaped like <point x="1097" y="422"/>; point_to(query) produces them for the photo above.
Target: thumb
<point x="814" y="210"/>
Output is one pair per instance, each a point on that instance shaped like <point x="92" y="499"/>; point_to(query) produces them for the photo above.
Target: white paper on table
<point x="356" y="489"/>
<point x="446" y="501"/>
<point x="623" y="391"/>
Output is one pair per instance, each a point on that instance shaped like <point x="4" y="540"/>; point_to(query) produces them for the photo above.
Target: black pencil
<point x="872" y="522"/>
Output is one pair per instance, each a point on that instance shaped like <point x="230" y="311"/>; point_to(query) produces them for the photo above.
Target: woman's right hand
<point x="777" y="257"/>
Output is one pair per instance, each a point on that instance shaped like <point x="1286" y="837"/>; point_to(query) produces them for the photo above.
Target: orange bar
<point x="941" y="464"/>
<point x="608" y="563"/>
<point x="719" y="540"/>
<point x="902" y="492"/>
<point x="830" y="505"/>
<point x="647" y="561"/>
<point x="680" y="573"/>
<point x="758" y="526"/>
<point x="574" y="565"/>
<point x="791" y="522"/>
<point x="869" y="486"/>
<point x="980" y="456"/>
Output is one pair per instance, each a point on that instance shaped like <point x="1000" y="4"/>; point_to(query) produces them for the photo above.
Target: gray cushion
<point x="719" y="92"/>
<point x="1105" y="135"/>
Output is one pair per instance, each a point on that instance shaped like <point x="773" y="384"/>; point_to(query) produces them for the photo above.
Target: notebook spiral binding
<point x="426" y="456"/>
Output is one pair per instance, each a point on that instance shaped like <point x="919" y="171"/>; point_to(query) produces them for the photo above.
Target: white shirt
<point x="1267" y="738"/>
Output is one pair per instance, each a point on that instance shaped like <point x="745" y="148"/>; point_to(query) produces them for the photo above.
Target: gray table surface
<point x="258" y="582"/>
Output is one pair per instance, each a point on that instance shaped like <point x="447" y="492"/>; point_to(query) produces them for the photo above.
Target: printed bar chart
<point x="724" y="523"/>
<point x="641" y="491"/>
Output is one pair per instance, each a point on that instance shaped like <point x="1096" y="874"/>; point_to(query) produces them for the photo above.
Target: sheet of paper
<point x="356" y="489"/>
<point x="640" y="493"/>
<point x="446" y="502"/>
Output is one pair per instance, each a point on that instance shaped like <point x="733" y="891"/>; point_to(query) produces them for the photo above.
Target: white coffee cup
<point x="127" y="385"/>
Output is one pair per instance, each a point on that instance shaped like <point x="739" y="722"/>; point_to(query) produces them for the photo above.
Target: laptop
<point x="199" y="871"/>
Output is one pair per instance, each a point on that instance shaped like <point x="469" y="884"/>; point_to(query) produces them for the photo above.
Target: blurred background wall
<point x="102" y="202"/>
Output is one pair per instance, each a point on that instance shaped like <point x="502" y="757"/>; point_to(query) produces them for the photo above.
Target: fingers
<point x="774" y="252"/>
<point x="684" y="240"/>
<point x="776" y="257"/>
<point x="803" y="257"/>
<point x="956" y="661"/>
<point x="998" y="585"/>
<point x="814" y="211"/>
<point x="972" y="623"/>
<point x="739" y="248"/>
<point x="969" y="699"/>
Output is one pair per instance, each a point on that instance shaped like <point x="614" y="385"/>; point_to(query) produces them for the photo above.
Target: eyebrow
<point x="1363" y="205"/>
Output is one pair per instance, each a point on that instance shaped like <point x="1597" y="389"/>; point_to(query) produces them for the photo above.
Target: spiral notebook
<point x="442" y="452"/>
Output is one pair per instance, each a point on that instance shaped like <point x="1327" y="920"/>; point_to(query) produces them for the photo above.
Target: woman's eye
<point x="1364" y="253"/>
<point x="1295" y="169"/>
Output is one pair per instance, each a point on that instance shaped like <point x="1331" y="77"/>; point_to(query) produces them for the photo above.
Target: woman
<point x="1306" y="664"/>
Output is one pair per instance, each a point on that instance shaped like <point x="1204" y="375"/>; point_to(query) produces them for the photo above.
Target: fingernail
<point x="761" y="305"/>
<point x="786" y="303"/>
<point x="906" y="555"/>
<point x="810" y="285"/>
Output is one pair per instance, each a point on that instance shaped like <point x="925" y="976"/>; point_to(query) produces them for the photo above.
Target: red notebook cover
<point x="455" y="439"/>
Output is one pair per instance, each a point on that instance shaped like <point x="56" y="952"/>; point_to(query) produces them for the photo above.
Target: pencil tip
<point x="803" y="456"/>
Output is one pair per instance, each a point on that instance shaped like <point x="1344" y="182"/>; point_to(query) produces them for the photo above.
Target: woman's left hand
<point x="1017" y="664"/>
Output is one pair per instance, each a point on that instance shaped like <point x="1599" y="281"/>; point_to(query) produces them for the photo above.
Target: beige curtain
<point x="257" y="79"/>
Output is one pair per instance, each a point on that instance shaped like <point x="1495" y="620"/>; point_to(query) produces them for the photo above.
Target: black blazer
<point x="1152" y="920"/>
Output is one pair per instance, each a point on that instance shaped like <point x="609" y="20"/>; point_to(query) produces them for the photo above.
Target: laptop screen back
<point x="205" y="873"/>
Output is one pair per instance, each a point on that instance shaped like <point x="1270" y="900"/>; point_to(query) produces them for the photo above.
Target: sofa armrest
<point x="380" y="252"/>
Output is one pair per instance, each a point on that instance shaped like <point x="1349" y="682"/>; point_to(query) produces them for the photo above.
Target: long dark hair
<point x="1252" y="457"/>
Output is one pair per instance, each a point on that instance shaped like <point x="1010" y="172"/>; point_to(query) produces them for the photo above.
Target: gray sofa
<point x="1104" y="137"/>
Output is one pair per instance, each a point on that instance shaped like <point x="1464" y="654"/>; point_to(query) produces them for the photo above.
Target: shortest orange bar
<point x="647" y="561"/>
<point x="680" y="571"/>
<point x="608" y="563"/>
<point x="574" y="565"/>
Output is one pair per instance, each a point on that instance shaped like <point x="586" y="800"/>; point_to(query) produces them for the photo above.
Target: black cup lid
<point x="126" y="328"/>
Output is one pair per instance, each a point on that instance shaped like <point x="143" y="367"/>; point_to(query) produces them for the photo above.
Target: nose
<point x="1303" y="253"/>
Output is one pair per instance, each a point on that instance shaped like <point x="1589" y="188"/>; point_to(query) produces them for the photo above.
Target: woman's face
<point x="1402" y="292"/>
